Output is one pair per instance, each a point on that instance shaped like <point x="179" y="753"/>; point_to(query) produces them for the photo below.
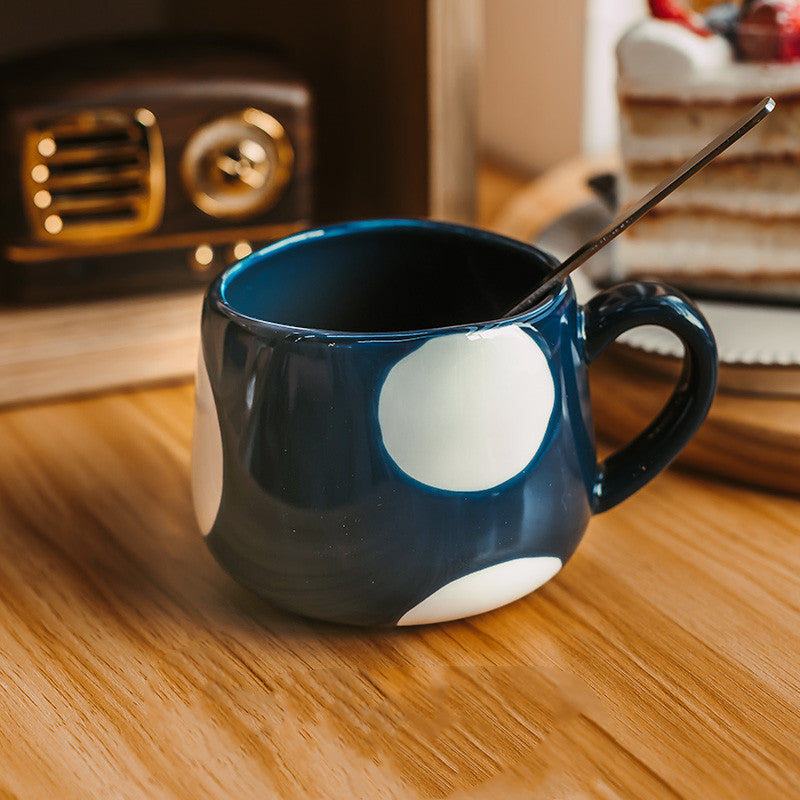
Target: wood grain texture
<point x="751" y="439"/>
<point x="661" y="663"/>
<point x="86" y="347"/>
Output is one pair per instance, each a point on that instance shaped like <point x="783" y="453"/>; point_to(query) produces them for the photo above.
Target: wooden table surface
<point x="662" y="662"/>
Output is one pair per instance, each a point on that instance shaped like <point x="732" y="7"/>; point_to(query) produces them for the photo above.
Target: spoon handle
<point x="653" y="198"/>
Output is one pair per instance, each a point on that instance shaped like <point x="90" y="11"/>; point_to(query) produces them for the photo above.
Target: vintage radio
<point x="146" y="165"/>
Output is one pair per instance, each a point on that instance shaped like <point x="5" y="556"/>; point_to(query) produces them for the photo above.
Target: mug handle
<point x="611" y="313"/>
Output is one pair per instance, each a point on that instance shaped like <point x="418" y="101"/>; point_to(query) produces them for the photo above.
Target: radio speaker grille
<point x="94" y="175"/>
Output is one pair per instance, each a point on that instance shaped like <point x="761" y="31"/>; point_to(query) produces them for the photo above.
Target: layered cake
<point x="684" y="78"/>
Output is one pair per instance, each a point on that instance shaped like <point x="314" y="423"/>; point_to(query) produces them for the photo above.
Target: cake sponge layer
<point x="756" y="187"/>
<point x="705" y="244"/>
<point x="657" y="131"/>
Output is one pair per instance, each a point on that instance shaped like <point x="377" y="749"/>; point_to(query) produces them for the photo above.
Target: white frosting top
<point x="663" y="59"/>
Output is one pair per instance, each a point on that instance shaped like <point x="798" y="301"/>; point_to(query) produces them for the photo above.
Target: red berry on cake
<point x="769" y="30"/>
<point x="675" y="11"/>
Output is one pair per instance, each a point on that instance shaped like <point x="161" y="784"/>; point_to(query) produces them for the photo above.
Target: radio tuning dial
<point x="237" y="165"/>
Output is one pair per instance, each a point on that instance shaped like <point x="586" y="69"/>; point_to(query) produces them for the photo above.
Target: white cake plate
<point x="759" y="344"/>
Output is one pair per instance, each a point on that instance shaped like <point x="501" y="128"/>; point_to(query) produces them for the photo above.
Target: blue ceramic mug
<point x="373" y="445"/>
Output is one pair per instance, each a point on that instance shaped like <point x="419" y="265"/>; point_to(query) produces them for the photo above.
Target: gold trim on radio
<point x="93" y="175"/>
<point x="237" y="165"/>
<point x="256" y="233"/>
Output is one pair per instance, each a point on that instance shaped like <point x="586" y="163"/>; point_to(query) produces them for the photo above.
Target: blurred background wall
<point x="547" y="79"/>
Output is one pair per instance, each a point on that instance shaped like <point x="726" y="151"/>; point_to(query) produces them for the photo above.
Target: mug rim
<point x="216" y="290"/>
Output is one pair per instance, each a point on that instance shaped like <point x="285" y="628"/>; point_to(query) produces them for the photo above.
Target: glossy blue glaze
<point x="298" y="341"/>
<point x="607" y="316"/>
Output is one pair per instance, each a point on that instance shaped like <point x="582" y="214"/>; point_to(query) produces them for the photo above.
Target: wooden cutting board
<point x="751" y="439"/>
<point x="748" y="438"/>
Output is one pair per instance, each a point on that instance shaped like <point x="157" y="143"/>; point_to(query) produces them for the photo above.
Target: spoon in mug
<point x="653" y="198"/>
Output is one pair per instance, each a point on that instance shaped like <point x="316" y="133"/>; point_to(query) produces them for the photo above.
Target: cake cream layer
<point x="661" y="59"/>
<point x="757" y="187"/>
<point x="707" y="244"/>
<point x="653" y="131"/>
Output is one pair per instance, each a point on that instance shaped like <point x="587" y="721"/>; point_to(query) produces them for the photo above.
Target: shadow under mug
<point x="372" y="445"/>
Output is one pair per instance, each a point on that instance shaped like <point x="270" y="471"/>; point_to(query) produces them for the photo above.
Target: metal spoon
<point x="653" y="198"/>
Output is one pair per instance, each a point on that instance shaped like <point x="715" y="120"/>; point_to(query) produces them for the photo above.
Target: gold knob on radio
<point x="238" y="165"/>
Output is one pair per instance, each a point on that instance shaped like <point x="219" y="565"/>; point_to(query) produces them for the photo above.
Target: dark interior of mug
<point x="390" y="277"/>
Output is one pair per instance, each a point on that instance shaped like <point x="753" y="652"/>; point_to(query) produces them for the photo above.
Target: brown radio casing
<point x="132" y="166"/>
